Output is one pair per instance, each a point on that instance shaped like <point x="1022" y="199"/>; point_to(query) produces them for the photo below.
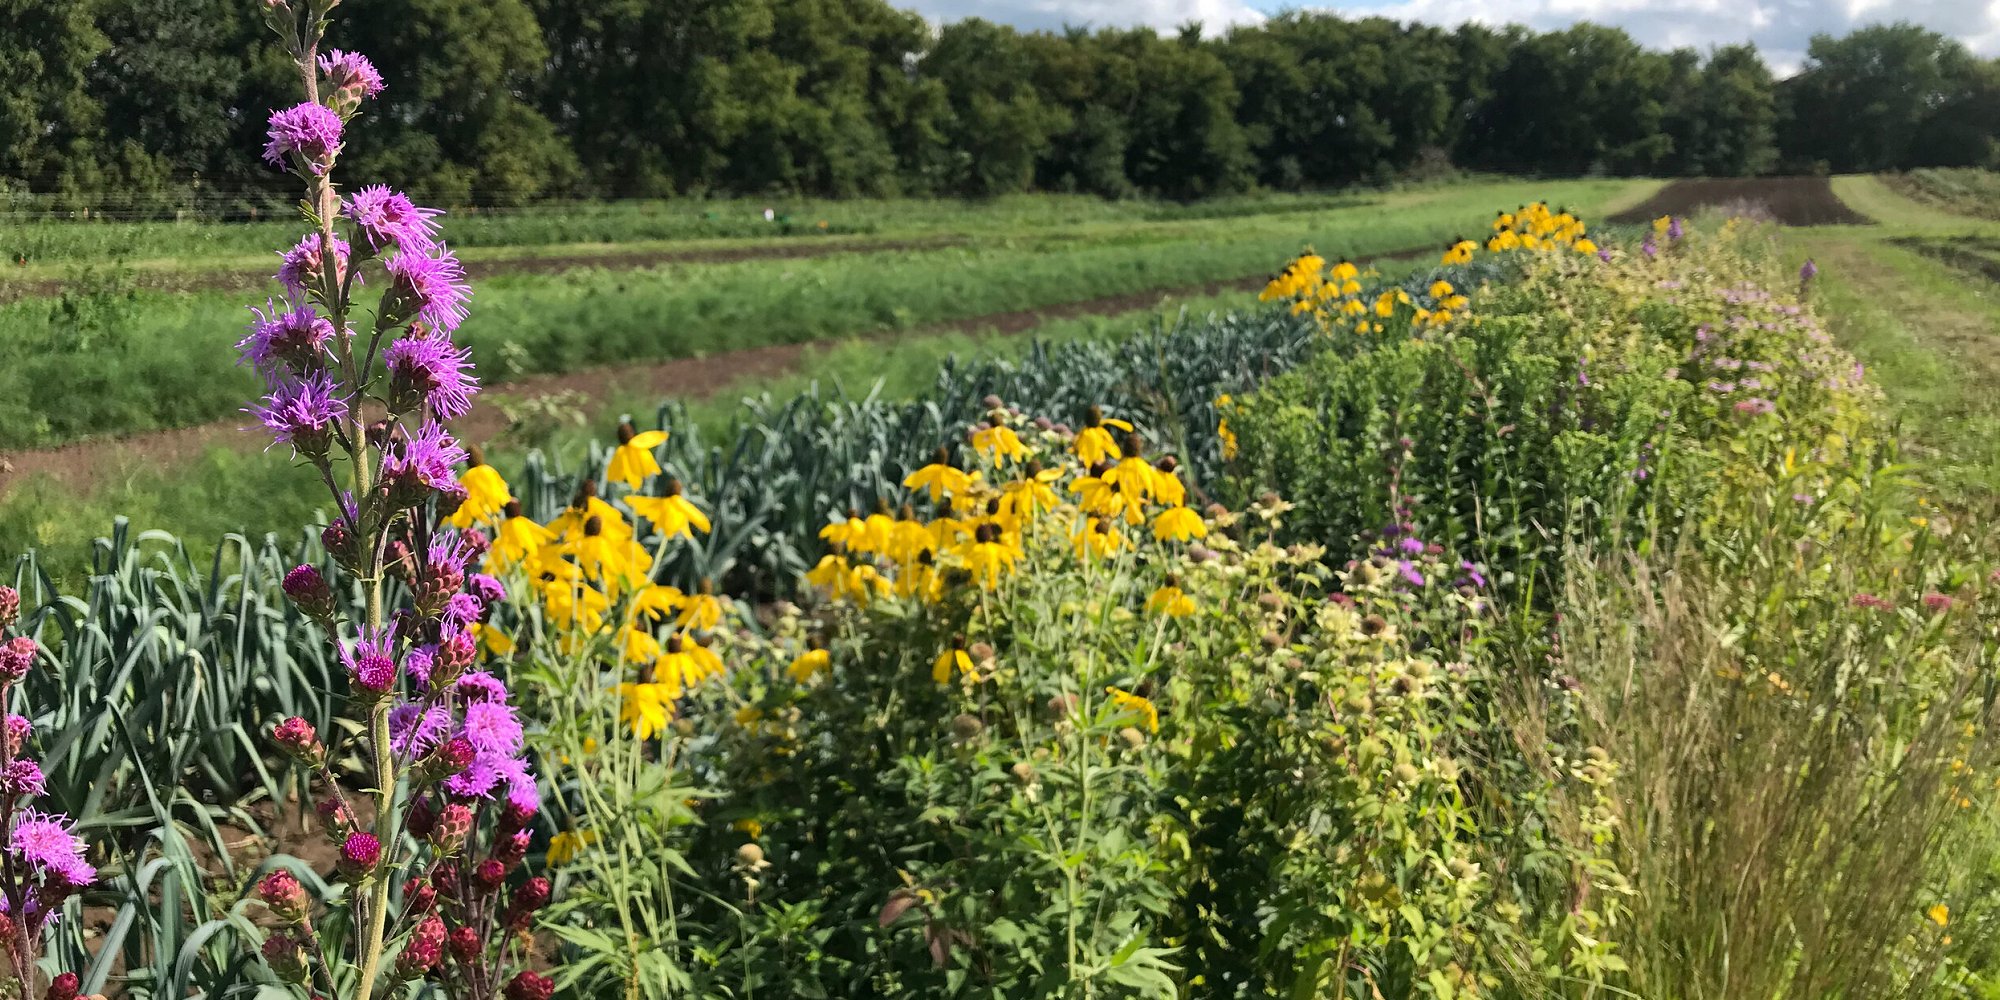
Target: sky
<point x="1781" y="28"/>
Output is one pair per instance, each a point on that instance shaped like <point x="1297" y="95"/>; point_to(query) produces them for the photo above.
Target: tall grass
<point x="1797" y="773"/>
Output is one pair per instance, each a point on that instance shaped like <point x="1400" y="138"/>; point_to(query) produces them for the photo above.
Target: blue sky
<point x="1780" y="28"/>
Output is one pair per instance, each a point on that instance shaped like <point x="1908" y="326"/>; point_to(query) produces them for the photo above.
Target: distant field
<point x="1959" y="190"/>
<point x="105" y="356"/>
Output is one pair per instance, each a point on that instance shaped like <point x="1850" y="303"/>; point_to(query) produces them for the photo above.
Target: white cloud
<point x="1053" y="15"/>
<point x="1781" y="28"/>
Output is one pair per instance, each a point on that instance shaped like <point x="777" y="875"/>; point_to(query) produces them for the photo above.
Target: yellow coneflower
<point x="515" y="540"/>
<point x="565" y="846"/>
<point x="685" y="663"/>
<point x="1128" y="703"/>
<point x="703" y="609"/>
<point x="1178" y="524"/>
<point x="585" y="505"/>
<point x="574" y="607"/>
<point x="953" y="659"/>
<point x="1021" y="499"/>
<point x="673" y="514"/>
<point x="645" y="707"/>
<point x="1170" y="600"/>
<point x="939" y="478"/>
<point x="1940" y="914"/>
<point x="918" y="578"/>
<point x="999" y="442"/>
<point x="656" y="602"/>
<point x="1098" y="538"/>
<point x="632" y="461"/>
<point x="810" y="664"/>
<point x="1093" y="442"/>
<point x="486" y="494"/>
<point x="850" y="532"/>
<point x="495" y="642"/>
<point x="990" y="555"/>
<point x="1440" y="288"/>
<point x="639" y="645"/>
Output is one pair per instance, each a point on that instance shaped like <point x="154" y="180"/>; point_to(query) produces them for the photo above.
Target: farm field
<point x="1552" y="589"/>
<point x="122" y="360"/>
<point x="1605" y="427"/>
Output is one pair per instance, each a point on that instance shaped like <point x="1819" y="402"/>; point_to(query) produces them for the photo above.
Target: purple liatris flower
<point x="371" y="660"/>
<point x="476" y="781"/>
<point x="492" y="726"/>
<point x="421" y="463"/>
<point x="429" y="370"/>
<point x="17" y="656"/>
<point x="293" y="338"/>
<point x="414" y="729"/>
<point x="350" y="71"/>
<point x="300" y="268"/>
<point x="1604" y="254"/>
<point x="1408" y="571"/>
<point x="463" y="610"/>
<point x="50" y="846"/>
<point x="359" y="854"/>
<point x="23" y="777"/>
<point x="18" y="731"/>
<point x="387" y="218"/>
<point x="1674" y="229"/>
<point x="489" y="590"/>
<point x="303" y="414"/>
<point x="481" y="686"/>
<point x="429" y="287"/>
<point x="309" y="590"/>
<point x="1808" y="271"/>
<point x="1649" y="248"/>
<point x="310" y="130"/>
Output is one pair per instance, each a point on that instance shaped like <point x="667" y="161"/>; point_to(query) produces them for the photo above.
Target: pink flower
<point x="1936" y="601"/>
<point x="350" y="71"/>
<point x="311" y="131"/>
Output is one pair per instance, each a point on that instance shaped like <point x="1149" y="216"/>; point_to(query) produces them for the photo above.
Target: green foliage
<point x="1916" y="98"/>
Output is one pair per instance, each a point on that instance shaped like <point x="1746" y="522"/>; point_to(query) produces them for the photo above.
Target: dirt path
<point x="794" y="249"/>
<point x="1792" y="201"/>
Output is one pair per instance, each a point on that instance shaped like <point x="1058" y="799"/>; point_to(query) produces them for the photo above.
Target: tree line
<point x="504" y="101"/>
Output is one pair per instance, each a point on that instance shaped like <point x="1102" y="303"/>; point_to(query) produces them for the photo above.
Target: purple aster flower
<point x="303" y="414"/>
<point x="49" y="844"/>
<point x="462" y="611"/>
<point x="427" y="287"/>
<point x="310" y="130"/>
<point x="371" y="660"/>
<point x="23" y="777"/>
<point x="422" y="461"/>
<point x="1649" y="248"/>
<point x="289" y="337"/>
<point x="299" y="268"/>
<point x="414" y="729"/>
<point x="480" y="686"/>
<point x="388" y="218"/>
<point x="430" y="370"/>
<point x="492" y="726"/>
<point x="1604" y="254"/>
<point x="1472" y="574"/>
<point x="478" y="778"/>
<point x="489" y="590"/>
<point x="350" y="71"/>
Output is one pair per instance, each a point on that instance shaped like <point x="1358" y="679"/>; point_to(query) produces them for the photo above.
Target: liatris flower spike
<point x="443" y="752"/>
<point x="46" y="865"/>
